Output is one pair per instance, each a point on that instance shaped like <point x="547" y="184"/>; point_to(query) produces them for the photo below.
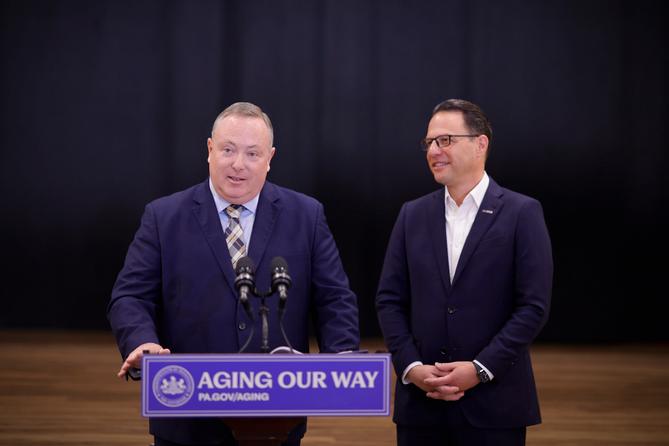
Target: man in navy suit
<point x="465" y="288"/>
<point x="176" y="290"/>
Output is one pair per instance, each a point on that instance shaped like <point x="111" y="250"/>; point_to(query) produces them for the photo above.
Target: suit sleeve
<point x="532" y="293"/>
<point x="132" y="310"/>
<point x="393" y="300"/>
<point x="335" y="305"/>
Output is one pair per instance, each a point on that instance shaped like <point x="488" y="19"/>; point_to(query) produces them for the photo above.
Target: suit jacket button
<point x="443" y="351"/>
<point x="451" y="310"/>
<point x="242" y="325"/>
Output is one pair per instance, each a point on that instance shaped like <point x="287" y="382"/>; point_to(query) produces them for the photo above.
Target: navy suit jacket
<point x="177" y="289"/>
<point x="491" y="311"/>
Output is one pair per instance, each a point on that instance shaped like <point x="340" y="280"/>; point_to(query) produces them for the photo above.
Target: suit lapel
<point x="266" y="215"/>
<point x="205" y="212"/>
<point x="485" y="217"/>
<point x="436" y="219"/>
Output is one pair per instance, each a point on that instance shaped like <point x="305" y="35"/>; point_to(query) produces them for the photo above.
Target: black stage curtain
<point x="107" y="104"/>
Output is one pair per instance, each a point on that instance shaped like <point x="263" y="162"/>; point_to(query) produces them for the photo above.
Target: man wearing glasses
<point x="465" y="289"/>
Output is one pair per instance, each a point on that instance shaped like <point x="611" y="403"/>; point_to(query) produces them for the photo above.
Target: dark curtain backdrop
<point x="107" y="105"/>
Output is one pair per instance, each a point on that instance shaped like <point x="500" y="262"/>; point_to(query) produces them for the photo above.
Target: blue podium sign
<point x="249" y="385"/>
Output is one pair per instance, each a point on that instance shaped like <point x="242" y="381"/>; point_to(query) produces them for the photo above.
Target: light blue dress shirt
<point x="246" y="219"/>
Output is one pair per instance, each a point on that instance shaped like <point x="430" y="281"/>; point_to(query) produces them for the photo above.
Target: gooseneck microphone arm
<point x="280" y="283"/>
<point x="245" y="284"/>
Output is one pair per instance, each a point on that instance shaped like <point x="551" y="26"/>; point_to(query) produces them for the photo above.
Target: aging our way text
<point x="288" y="380"/>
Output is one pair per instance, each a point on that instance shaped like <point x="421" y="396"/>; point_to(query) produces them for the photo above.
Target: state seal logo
<point x="173" y="386"/>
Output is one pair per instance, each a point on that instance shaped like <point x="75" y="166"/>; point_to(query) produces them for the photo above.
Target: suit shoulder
<point x="425" y="200"/>
<point x="292" y="198"/>
<point x="175" y="200"/>
<point x="518" y="199"/>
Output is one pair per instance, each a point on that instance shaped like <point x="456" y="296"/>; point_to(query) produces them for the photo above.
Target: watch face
<point x="483" y="376"/>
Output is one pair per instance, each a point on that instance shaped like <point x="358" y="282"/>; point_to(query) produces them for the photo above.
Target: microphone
<point x="280" y="280"/>
<point x="245" y="283"/>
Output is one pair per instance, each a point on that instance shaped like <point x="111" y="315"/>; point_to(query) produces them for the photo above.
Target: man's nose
<point x="238" y="162"/>
<point x="434" y="147"/>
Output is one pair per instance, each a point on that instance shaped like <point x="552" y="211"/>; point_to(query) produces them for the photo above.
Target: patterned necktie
<point x="233" y="234"/>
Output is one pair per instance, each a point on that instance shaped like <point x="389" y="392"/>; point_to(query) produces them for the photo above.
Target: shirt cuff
<point x="406" y="371"/>
<point x="488" y="372"/>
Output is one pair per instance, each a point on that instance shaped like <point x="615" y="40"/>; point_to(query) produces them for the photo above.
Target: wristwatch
<point x="483" y="376"/>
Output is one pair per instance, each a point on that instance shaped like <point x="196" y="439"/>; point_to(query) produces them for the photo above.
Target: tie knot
<point x="234" y="211"/>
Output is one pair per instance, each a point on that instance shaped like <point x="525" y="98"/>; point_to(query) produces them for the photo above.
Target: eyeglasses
<point x="441" y="140"/>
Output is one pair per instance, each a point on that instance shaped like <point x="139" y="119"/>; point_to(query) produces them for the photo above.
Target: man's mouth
<point x="235" y="179"/>
<point x="440" y="164"/>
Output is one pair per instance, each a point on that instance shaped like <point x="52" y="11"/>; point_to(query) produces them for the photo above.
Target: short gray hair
<point x="248" y="110"/>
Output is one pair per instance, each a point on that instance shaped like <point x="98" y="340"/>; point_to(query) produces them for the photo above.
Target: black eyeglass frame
<point x="426" y="143"/>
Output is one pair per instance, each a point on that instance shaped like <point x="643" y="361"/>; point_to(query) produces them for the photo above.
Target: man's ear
<point x="482" y="146"/>
<point x="271" y="155"/>
<point x="210" y="147"/>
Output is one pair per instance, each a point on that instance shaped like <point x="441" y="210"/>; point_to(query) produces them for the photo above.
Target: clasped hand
<point x="444" y="381"/>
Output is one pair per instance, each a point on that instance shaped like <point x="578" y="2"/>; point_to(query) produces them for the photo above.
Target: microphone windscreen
<point x="245" y="264"/>
<point x="279" y="263"/>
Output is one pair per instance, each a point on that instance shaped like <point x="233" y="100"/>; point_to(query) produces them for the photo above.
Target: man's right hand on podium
<point x="134" y="359"/>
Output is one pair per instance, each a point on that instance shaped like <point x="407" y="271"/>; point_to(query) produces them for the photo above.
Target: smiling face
<point x="240" y="151"/>
<point x="460" y="165"/>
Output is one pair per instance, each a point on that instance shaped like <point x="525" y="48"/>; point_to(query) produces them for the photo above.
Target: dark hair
<point x="475" y="120"/>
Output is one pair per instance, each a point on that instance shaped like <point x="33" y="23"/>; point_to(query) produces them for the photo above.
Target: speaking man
<point x="176" y="291"/>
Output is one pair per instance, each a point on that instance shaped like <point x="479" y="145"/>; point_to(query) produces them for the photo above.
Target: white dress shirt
<point x="459" y="221"/>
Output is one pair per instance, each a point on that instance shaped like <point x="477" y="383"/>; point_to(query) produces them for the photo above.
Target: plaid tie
<point x="233" y="234"/>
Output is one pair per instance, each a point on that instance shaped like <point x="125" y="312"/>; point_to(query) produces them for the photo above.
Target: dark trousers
<point x="458" y="432"/>
<point x="430" y="436"/>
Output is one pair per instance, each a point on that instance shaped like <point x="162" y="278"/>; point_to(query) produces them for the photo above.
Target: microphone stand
<point x="264" y="321"/>
<point x="244" y="282"/>
<point x="264" y="312"/>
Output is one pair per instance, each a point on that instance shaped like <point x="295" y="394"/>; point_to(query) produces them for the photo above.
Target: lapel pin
<point x="486" y="211"/>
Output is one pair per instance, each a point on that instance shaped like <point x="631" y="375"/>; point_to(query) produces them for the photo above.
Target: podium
<point x="263" y="397"/>
<point x="262" y="431"/>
